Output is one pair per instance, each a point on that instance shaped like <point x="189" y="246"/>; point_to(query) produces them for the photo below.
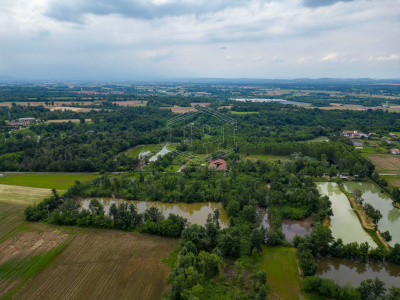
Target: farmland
<point x="386" y="163"/>
<point x="22" y="195"/>
<point x="130" y="103"/>
<point x="105" y="264"/>
<point x="179" y="109"/>
<point x="68" y="120"/>
<point x="59" y="181"/>
<point x="11" y="216"/>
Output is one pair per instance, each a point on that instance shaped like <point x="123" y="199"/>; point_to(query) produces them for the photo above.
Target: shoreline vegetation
<point x="367" y="224"/>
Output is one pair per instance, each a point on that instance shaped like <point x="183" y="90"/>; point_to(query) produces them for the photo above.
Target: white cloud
<point x="331" y="57"/>
<point x="292" y="39"/>
<point x="394" y="56"/>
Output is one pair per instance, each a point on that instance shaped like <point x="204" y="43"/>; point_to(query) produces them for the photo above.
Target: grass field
<point x="134" y="152"/>
<point x="282" y="272"/>
<point x="11" y="216"/>
<point x="393" y="180"/>
<point x="22" y="194"/>
<point x="244" y="112"/>
<point x="59" y="181"/>
<point x="101" y="264"/>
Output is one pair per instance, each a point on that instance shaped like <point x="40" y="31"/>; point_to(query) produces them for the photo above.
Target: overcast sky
<point x="145" y="39"/>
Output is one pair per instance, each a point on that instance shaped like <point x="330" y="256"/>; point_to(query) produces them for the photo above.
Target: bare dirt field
<point x="386" y="163"/>
<point x="22" y="194"/>
<point x="226" y="106"/>
<point x="199" y="104"/>
<point x="76" y="109"/>
<point x="179" y="109"/>
<point x="24" y="244"/>
<point x="67" y="120"/>
<point x="56" y="103"/>
<point x="100" y="264"/>
<point x="130" y="103"/>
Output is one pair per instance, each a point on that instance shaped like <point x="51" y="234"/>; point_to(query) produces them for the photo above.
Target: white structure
<point x="395" y="151"/>
<point x="26" y="119"/>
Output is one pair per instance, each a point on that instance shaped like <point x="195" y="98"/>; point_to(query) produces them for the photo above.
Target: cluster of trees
<point x="61" y="211"/>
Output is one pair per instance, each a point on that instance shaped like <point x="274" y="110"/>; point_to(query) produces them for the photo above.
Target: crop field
<point x="393" y="180"/>
<point x="22" y="195"/>
<point x="130" y="103"/>
<point x="100" y="264"/>
<point x="179" y="109"/>
<point x="282" y="272"/>
<point x="75" y="109"/>
<point x="386" y="163"/>
<point x="59" y="181"/>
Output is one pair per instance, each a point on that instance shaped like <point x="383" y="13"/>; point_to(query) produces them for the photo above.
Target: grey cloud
<point x="64" y="10"/>
<point x="317" y="3"/>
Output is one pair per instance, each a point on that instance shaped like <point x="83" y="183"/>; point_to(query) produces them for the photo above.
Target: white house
<point x="395" y="151"/>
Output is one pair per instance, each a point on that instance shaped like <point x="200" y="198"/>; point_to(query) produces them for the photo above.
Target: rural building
<point x="392" y="135"/>
<point x="17" y="124"/>
<point x="357" y="143"/>
<point x="219" y="164"/>
<point x="26" y="119"/>
<point x="395" y="151"/>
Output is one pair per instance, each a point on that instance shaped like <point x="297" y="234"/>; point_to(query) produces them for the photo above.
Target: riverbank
<point x="366" y="222"/>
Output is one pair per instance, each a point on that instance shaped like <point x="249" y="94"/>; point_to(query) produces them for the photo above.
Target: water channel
<point x="344" y="270"/>
<point x="390" y="215"/>
<point x="195" y="213"/>
<point x="344" y="222"/>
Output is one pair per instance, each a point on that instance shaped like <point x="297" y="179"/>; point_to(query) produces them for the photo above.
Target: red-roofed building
<point x="219" y="164"/>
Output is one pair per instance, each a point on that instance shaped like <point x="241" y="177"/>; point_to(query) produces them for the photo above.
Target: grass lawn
<point x="59" y="181"/>
<point x="244" y="112"/>
<point x="172" y="147"/>
<point x="173" y="168"/>
<point x="283" y="279"/>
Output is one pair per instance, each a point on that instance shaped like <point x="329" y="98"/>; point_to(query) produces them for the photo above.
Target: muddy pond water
<point x="344" y="270"/>
<point x="195" y="213"/>
<point x="290" y="228"/>
<point x="344" y="222"/>
<point x="390" y="215"/>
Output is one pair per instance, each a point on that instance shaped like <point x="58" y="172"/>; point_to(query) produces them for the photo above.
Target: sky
<point x="150" y="39"/>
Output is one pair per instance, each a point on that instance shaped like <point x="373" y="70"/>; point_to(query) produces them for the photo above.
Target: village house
<point x="219" y="164"/>
<point x="395" y="151"/>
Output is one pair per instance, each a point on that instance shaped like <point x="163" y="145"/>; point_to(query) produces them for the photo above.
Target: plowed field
<point x="386" y="163"/>
<point x="100" y="264"/>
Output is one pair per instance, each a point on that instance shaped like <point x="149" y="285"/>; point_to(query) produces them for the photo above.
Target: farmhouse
<point x="395" y="151"/>
<point x="26" y="119"/>
<point x="219" y="164"/>
<point x="357" y="143"/>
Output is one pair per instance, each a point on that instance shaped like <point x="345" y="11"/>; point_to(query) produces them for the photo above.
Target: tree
<point x="256" y="240"/>
<point x="358" y="195"/>
<point x="332" y="171"/>
<point x="371" y="289"/>
<point x="249" y="213"/>
<point x="386" y="235"/>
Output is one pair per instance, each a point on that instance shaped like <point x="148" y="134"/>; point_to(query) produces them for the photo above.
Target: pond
<point x="344" y="270"/>
<point x="143" y="154"/>
<point x="390" y="215"/>
<point x="195" y="213"/>
<point x="344" y="222"/>
<point x="290" y="228"/>
<point x="162" y="152"/>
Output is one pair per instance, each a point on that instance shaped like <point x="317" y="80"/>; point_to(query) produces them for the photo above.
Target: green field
<point x="141" y="148"/>
<point x="264" y="157"/>
<point x="172" y="147"/>
<point x="319" y="139"/>
<point x="244" y="112"/>
<point x="283" y="279"/>
<point x="59" y="181"/>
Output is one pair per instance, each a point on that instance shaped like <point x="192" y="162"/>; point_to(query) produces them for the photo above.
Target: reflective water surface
<point x="344" y="270"/>
<point x="390" y="215"/>
<point x="195" y="213"/>
<point x="344" y="222"/>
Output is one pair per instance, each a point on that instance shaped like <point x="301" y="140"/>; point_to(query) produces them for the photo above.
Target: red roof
<point x="219" y="164"/>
